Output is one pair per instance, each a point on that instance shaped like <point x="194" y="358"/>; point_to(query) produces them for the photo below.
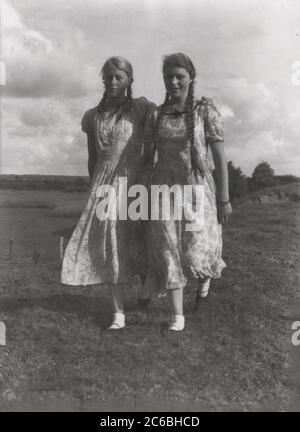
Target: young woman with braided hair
<point x="182" y="130"/>
<point x="109" y="250"/>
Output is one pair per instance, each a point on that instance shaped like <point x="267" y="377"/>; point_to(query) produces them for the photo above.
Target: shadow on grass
<point x="98" y="309"/>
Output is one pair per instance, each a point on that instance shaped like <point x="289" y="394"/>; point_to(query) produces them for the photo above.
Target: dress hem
<point x="100" y="282"/>
<point x="172" y="286"/>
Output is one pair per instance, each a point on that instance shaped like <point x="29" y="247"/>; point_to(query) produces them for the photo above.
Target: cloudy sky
<point x="244" y="52"/>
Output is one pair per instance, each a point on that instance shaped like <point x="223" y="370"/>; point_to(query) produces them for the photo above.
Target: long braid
<point x="124" y="65"/>
<point x="191" y="128"/>
<point x="128" y="101"/>
<point x="159" y="119"/>
<point x="102" y="102"/>
<point x="190" y="110"/>
<point x="127" y="104"/>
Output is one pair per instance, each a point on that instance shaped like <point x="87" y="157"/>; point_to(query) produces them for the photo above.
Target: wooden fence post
<point x="11" y="242"/>
<point x="61" y="246"/>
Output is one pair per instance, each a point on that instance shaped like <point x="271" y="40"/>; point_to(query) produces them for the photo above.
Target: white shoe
<point x="118" y="321"/>
<point x="204" y="288"/>
<point x="177" y="323"/>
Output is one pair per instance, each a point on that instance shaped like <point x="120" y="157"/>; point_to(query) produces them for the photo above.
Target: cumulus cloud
<point x="44" y="154"/>
<point x="34" y="66"/>
<point x="46" y="116"/>
<point x="10" y="19"/>
<point x="254" y="103"/>
<point x="243" y="54"/>
<point x="40" y="77"/>
<point x="263" y="124"/>
<point x="43" y="136"/>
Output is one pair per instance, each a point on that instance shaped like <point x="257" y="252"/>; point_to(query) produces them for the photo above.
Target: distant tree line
<point x="262" y="177"/>
<point x="239" y="185"/>
<point x="79" y="184"/>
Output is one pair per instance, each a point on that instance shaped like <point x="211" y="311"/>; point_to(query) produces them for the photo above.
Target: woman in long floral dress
<point x="110" y="250"/>
<point x="183" y="131"/>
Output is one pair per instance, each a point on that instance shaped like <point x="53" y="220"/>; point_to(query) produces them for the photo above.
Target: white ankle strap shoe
<point x="177" y="323"/>
<point x="118" y="321"/>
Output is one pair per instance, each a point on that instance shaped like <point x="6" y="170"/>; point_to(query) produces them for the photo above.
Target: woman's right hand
<point x="224" y="212"/>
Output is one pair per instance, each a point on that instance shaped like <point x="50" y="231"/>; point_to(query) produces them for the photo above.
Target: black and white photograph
<point x="149" y="208"/>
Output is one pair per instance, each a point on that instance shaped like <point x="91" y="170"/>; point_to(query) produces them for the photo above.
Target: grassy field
<point x="235" y="353"/>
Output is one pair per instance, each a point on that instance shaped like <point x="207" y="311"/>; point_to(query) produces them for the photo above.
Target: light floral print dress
<point x="174" y="253"/>
<point x="109" y="251"/>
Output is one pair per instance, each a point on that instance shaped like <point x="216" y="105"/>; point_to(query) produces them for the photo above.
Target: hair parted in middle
<point x="179" y="60"/>
<point x="123" y="64"/>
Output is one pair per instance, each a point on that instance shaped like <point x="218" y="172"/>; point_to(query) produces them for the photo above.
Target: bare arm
<point x="92" y="154"/>
<point x="224" y="207"/>
<point x="218" y="153"/>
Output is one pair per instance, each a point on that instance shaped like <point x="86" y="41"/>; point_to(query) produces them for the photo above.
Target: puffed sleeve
<point x="85" y="122"/>
<point x="213" y="123"/>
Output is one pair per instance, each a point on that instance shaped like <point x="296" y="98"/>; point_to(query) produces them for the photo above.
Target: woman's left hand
<point x="224" y="212"/>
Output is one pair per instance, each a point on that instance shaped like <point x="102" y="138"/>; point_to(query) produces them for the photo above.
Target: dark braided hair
<point x="190" y="111"/>
<point x="124" y="65"/>
<point x="126" y="106"/>
<point x="102" y="102"/>
<point x="180" y="60"/>
<point x="159" y="119"/>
